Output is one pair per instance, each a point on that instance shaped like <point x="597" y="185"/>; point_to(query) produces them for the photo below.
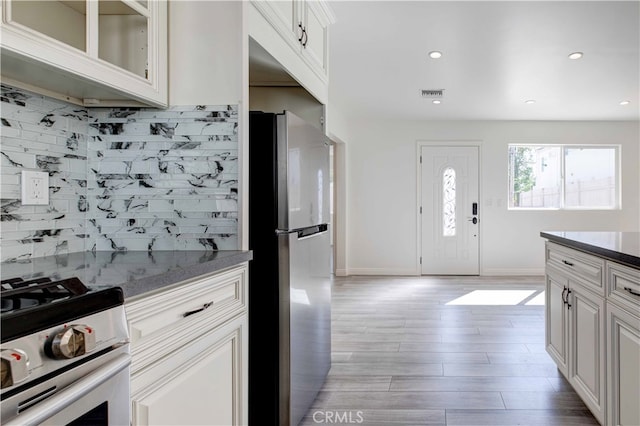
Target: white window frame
<point x="563" y="148"/>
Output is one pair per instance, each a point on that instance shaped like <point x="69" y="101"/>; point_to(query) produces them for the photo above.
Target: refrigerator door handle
<point x="304" y="232"/>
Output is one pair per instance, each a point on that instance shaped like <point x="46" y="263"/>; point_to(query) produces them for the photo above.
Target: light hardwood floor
<point x="402" y="356"/>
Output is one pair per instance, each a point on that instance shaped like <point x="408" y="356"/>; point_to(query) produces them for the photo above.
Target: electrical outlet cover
<point x="35" y="188"/>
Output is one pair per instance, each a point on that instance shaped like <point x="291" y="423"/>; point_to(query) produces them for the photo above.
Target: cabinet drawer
<point x="623" y="286"/>
<point x="589" y="269"/>
<point x="211" y="298"/>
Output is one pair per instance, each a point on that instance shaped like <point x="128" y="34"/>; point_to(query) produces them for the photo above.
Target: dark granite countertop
<point x="623" y="247"/>
<point x="136" y="272"/>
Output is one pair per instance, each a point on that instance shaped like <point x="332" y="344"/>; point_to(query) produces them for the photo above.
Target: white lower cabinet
<point x="557" y="319"/>
<point x="198" y="385"/>
<point x="592" y="331"/>
<point x="623" y="377"/>
<point x="190" y="352"/>
<point x="587" y="348"/>
<point x="575" y="337"/>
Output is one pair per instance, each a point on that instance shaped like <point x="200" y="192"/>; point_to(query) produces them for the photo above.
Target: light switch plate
<point x="35" y="188"/>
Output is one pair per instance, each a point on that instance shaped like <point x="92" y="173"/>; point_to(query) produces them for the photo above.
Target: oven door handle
<point x="70" y="394"/>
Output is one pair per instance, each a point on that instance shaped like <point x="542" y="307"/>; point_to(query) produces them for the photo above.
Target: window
<point x="564" y="177"/>
<point x="449" y="202"/>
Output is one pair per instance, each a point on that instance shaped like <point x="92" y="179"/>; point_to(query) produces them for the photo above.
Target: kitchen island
<point x="592" y="312"/>
<point x="621" y="247"/>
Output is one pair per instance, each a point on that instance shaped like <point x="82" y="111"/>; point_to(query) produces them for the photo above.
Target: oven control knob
<point x="15" y="367"/>
<point x="73" y="341"/>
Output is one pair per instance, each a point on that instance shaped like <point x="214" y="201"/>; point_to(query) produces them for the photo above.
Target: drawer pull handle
<point x="205" y="306"/>
<point x="632" y="291"/>
<point x="567" y="263"/>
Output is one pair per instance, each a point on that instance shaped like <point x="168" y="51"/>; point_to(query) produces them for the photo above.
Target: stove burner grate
<point x="17" y="293"/>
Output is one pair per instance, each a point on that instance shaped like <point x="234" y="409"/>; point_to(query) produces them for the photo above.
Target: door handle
<point x="474" y="220"/>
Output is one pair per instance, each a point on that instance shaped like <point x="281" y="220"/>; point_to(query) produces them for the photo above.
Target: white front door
<point x="450" y="210"/>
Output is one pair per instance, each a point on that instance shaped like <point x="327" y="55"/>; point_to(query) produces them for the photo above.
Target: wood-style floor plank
<point x="402" y="355"/>
<point x="471" y="384"/>
<point x="519" y="417"/>
<point x="376" y="417"/>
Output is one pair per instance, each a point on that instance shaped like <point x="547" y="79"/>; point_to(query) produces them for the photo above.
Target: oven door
<point x="101" y="397"/>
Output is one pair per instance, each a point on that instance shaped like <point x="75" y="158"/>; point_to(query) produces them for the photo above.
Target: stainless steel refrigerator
<point x="289" y="276"/>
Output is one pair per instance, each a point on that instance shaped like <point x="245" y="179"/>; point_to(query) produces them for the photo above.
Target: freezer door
<point x="309" y="337"/>
<point x="303" y="173"/>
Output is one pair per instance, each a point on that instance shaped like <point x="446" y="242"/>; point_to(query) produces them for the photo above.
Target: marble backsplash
<point x="120" y="178"/>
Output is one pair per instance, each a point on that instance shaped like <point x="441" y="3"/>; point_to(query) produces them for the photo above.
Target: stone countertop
<point x="623" y="247"/>
<point x="137" y="272"/>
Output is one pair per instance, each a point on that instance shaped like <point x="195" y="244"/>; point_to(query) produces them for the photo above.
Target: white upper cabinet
<point x="314" y="20"/>
<point x="296" y="34"/>
<point x="91" y="52"/>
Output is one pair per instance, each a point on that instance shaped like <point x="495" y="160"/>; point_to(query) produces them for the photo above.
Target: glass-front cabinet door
<point x="123" y="40"/>
<point x="123" y="35"/>
<point x="64" y="21"/>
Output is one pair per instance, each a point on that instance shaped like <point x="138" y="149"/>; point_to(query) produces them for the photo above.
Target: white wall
<point x="209" y="65"/>
<point x="206" y="47"/>
<point x="382" y="183"/>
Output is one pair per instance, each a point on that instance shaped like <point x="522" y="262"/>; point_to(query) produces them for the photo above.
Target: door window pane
<point x="449" y="202"/>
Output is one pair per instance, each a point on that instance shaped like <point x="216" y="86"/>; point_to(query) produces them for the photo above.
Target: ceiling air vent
<point x="432" y="93"/>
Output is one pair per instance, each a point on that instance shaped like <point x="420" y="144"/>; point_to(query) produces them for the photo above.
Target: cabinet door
<point x="284" y="16"/>
<point x="623" y="376"/>
<point x="315" y="40"/>
<point x="92" y="52"/>
<point x="287" y="14"/>
<point x="556" y="327"/>
<point x="200" y="384"/>
<point x="587" y="347"/>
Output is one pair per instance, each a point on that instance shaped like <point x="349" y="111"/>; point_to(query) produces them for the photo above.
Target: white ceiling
<point x="496" y="55"/>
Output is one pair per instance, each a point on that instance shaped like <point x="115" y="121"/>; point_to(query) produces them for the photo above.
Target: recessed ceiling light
<point x="436" y="101"/>
<point x="435" y="54"/>
<point x="530" y="101"/>
<point x="575" y="55"/>
<point x="625" y="102"/>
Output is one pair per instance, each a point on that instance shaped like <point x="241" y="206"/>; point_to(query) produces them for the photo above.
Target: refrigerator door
<point x="308" y="339"/>
<point x="303" y="173"/>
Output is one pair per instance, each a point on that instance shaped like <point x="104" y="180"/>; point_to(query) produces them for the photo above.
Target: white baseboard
<point x="518" y="272"/>
<point x="341" y="273"/>
<point x="513" y="272"/>
<point x="382" y="271"/>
